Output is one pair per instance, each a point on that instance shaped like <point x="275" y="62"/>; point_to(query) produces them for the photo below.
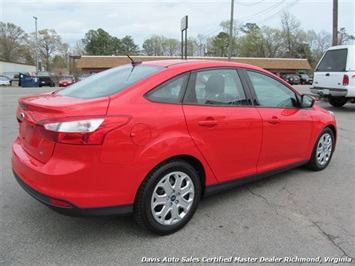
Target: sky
<point x="142" y="19"/>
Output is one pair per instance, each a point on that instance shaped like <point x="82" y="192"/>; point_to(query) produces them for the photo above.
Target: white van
<point x="334" y="76"/>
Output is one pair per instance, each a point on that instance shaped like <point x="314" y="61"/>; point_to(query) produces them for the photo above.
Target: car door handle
<point x="208" y="123"/>
<point x="274" y="120"/>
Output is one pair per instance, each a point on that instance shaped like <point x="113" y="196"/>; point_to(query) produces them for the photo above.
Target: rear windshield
<point x="109" y="82"/>
<point x="333" y="61"/>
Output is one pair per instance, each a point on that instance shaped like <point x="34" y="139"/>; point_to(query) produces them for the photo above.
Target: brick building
<point x="278" y="66"/>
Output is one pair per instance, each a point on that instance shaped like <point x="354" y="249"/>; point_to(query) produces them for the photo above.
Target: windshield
<point x="109" y="82"/>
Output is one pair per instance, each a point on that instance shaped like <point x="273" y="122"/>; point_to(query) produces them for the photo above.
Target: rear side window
<point x="333" y="61"/>
<point x="109" y="82"/>
<point x="170" y="91"/>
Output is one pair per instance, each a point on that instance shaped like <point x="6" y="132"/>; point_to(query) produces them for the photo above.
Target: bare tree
<point x="49" y="42"/>
<point x="272" y="42"/>
<point x="79" y="48"/>
<point x="318" y="43"/>
<point x="344" y="38"/>
<point x="292" y="34"/>
<point x="13" y="44"/>
<point x="171" y="47"/>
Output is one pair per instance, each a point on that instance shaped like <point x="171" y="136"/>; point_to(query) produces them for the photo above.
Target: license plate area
<point x="324" y="91"/>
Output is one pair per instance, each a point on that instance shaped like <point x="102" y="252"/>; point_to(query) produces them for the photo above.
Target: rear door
<point x="224" y="126"/>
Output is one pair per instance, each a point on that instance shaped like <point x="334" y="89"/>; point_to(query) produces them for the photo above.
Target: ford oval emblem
<point x="22" y="116"/>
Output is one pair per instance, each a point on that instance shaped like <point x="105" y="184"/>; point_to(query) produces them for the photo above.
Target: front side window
<point x="109" y="82"/>
<point x="215" y="87"/>
<point x="270" y="92"/>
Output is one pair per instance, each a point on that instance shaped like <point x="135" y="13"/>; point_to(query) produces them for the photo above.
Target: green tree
<point x="129" y="46"/>
<point x="117" y="46"/>
<point x="303" y="50"/>
<point x="59" y="62"/>
<point x="13" y="44"/>
<point x="99" y="42"/>
<point x="220" y="44"/>
<point x="237" y="30"/>
<point x="249" y="28"/>
<point x="252" y="43"/>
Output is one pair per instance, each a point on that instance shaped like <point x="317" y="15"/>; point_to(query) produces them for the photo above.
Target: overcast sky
<point x="142" y="19"/>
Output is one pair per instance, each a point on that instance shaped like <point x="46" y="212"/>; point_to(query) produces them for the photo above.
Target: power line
<point x="280" y="11"/>
<point x="261" y="13"/>
<point x="252" y="4"/>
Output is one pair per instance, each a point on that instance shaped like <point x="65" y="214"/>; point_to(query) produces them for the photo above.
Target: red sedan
<point x="151" y="139"/>
<point x="66" y="81"/>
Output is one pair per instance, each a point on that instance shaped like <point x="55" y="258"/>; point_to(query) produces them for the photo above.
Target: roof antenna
<point x="133" y="62"/>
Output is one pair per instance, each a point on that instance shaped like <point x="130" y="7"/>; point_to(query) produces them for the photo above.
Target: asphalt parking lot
<point x="291" y="218"/>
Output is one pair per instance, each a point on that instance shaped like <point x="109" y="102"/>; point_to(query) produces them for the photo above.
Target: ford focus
<point x="152" y="139"/>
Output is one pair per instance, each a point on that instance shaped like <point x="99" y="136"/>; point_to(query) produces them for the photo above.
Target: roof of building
<point x="267" y="63"/>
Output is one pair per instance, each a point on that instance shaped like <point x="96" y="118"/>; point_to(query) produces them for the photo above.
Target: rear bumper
<point x="79" y="182"/>
<point x="74" y="210"/>
<point x="325" y="92"/>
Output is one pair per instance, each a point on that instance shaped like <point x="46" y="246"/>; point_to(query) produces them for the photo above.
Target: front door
<point x="286" y="127"/>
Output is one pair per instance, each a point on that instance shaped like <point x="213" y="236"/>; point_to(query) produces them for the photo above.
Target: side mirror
<point x="307" y="101"/>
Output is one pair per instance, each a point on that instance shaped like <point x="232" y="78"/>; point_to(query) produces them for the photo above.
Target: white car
<point x="334" y="76"/>
<point x="5" y="81"/>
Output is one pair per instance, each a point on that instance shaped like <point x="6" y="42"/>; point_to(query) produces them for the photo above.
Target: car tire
<point x="337" y="102"/>
<point x="168" y="197"/>
<point x="322" y="151"/>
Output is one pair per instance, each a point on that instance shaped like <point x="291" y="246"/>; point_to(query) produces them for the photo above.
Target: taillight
<point x="81" y="130"/>
<point x="346" y="80"/>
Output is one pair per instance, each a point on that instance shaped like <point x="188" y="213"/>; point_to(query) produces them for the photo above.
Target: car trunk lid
<point x="332" y="80"/>
<point x="34" y="109"/>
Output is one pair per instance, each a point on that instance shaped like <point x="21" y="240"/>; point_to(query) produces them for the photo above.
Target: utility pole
<point x="36" y="45"/>
<point x="335" y="22"/>
<point x="231" y="32"/>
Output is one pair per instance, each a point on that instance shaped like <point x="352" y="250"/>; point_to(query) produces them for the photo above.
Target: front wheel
<point x="322" y="151"/>
<point x="168" y="197"/>
<point x="337" y="102"/>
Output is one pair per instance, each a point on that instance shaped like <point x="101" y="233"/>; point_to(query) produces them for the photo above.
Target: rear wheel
<point x="322" y="151"/>
<point x="168" y="197"/>
<point x="337" y="102"/>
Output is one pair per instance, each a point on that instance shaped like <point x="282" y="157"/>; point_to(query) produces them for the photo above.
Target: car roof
<point x="196" y="64"/>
